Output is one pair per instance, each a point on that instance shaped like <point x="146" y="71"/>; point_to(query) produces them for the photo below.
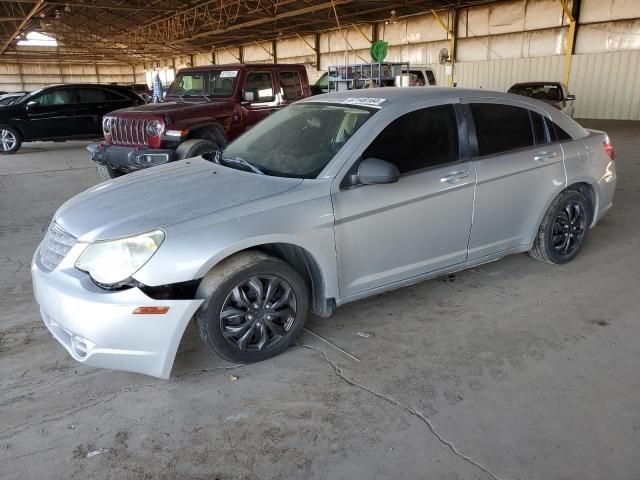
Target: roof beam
<point x="22" y="24"/>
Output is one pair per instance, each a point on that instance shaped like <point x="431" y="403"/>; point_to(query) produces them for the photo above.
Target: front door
<point x="393" y="232"/>
<point x="51" y="114"/>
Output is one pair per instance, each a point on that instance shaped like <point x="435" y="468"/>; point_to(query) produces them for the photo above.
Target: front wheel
<point x="10" y="140"/>
<point x="564" y="229"/>
<point x="255" y="306"/>
<point x="195" y="147"/>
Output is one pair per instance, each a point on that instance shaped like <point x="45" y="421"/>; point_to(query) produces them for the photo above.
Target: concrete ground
<point x="514" y="370"/>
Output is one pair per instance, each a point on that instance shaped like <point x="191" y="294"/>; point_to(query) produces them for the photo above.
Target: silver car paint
<point x="364" y="240"/>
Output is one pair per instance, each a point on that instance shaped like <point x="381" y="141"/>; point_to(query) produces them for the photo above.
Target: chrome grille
<point x="54" y="247"/>
<point x="129" y="131"/>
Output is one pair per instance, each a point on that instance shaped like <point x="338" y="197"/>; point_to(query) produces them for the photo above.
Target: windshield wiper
<point x="239" y="161"/>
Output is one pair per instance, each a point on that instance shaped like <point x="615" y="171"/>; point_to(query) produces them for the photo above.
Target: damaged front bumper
<point x="99" y="327"/>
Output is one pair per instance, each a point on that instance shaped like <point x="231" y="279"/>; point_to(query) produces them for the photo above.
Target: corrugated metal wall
<point x="27" y="76"/>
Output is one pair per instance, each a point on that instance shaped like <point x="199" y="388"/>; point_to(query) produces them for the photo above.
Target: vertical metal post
<point x="452" y="38"/>
<point x="572" y="14"/>
<point x="317" y="49"/>
<point x="241" y="54"/>
<point x="274" y="51"/>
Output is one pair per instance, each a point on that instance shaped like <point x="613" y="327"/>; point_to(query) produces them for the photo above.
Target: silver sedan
<point x="333" y="199"/>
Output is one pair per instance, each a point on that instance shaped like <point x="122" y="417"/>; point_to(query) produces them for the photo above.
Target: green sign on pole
<point x="378" y="51"/>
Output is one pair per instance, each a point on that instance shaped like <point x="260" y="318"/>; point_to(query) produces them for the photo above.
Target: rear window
<point x="539" y="92"/>
<point x="501" y="128"/>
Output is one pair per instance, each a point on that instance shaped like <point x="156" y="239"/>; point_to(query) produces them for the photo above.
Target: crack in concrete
<point x="338" y="371"/>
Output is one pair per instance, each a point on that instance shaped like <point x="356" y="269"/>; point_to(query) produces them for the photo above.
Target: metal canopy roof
<point x="144" y="30"/>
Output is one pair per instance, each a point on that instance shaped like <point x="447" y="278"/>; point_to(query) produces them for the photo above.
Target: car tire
<point x="109" y="172"/>
<point x="238" y="324"/>
<point x="10" y="140"/>
<point x="564" y="229"/>
<point x="194" y="148"/>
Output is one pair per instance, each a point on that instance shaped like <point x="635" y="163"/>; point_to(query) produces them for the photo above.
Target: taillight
<point x="608" y="147"/>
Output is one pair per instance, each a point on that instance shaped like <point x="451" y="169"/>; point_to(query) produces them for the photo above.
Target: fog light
<point x="148" y="159"/>
<point x="79" y="346"/>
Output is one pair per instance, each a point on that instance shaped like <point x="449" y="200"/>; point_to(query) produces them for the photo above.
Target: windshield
<point x="219" y="83"/>
<point x="300" y="140"/>
<point x="540" y="92"/>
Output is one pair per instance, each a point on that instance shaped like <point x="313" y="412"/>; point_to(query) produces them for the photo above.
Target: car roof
<point x="398" y="96"/>
<point x="239" y="66"/>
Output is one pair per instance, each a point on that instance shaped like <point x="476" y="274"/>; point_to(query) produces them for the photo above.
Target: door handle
<point x="541" y="156"/>
<point x="454" y="176"/>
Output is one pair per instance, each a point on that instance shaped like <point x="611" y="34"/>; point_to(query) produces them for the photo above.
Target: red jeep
<point x="205" y="108"/>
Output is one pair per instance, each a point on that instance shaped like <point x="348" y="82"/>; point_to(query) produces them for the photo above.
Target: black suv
<point x="61" y="112"/>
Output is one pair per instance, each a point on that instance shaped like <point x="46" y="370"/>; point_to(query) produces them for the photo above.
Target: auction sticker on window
<point x="364" y="101"/>
<point x="228" y="74"/>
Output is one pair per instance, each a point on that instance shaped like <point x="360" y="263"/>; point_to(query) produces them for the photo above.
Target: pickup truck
<point x="204" y="109"/>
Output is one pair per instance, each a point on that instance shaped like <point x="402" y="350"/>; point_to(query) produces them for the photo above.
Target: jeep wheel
<point x="195" y="148"/>
<point x="108" y="172"/>
<point x="10" y="140"/>
<point x="255" y="306"/>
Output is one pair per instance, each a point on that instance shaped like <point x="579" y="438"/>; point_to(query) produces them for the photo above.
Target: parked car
<point x="552" y="93"/>
<point x="204" y="108"/>
<point x="9" y="98"/>
<point x="424" y="76"/>
<point x="420" y="76"/>
<point x="330" y="200"/>
<point x="143" y="90"/>
<point x="61" y="112"/>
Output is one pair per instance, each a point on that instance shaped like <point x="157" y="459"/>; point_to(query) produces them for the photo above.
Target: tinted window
<point x="539" y="130"/>
<point x="261" y="85"/>
<point x="55" y="97"/>
<point x="431" y="77"/>
<point x="556" y="133"/>
<point x="420" y="139"/>
<point x="290" y="85"/>
<point x="91" y="95"/>
<point x="500" y="128"/>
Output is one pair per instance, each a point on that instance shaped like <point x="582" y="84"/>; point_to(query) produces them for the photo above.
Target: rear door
<point x="262" y="87"/>
<point x="290" y="87"/>
<point x="518" y="168"/>
<point x="51" y="114"/>
<point x="92" y="103"/>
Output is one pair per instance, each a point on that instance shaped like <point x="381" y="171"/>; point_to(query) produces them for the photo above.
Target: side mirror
<point x="570" y="98"/>
<point x="372" y="171"/>
<point x="248" y="96"/>
<point x="31" y="104"/>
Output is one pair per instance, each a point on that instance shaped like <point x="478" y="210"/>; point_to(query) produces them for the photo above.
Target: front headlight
<point x="114" y="261"/>
<point x="155" y="128"/>
<point x="107" y="123"/>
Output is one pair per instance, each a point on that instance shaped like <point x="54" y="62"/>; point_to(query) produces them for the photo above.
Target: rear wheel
<point x="255" y="306"/>
<point x="564" y="229"/>
<point x="195" y="148"/>
<point x="10" y="140"/>
<point x="109" y="172"/>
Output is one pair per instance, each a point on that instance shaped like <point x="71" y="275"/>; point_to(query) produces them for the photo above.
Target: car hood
<point x="161" y="196"/>
<point x="170" y="107"/>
